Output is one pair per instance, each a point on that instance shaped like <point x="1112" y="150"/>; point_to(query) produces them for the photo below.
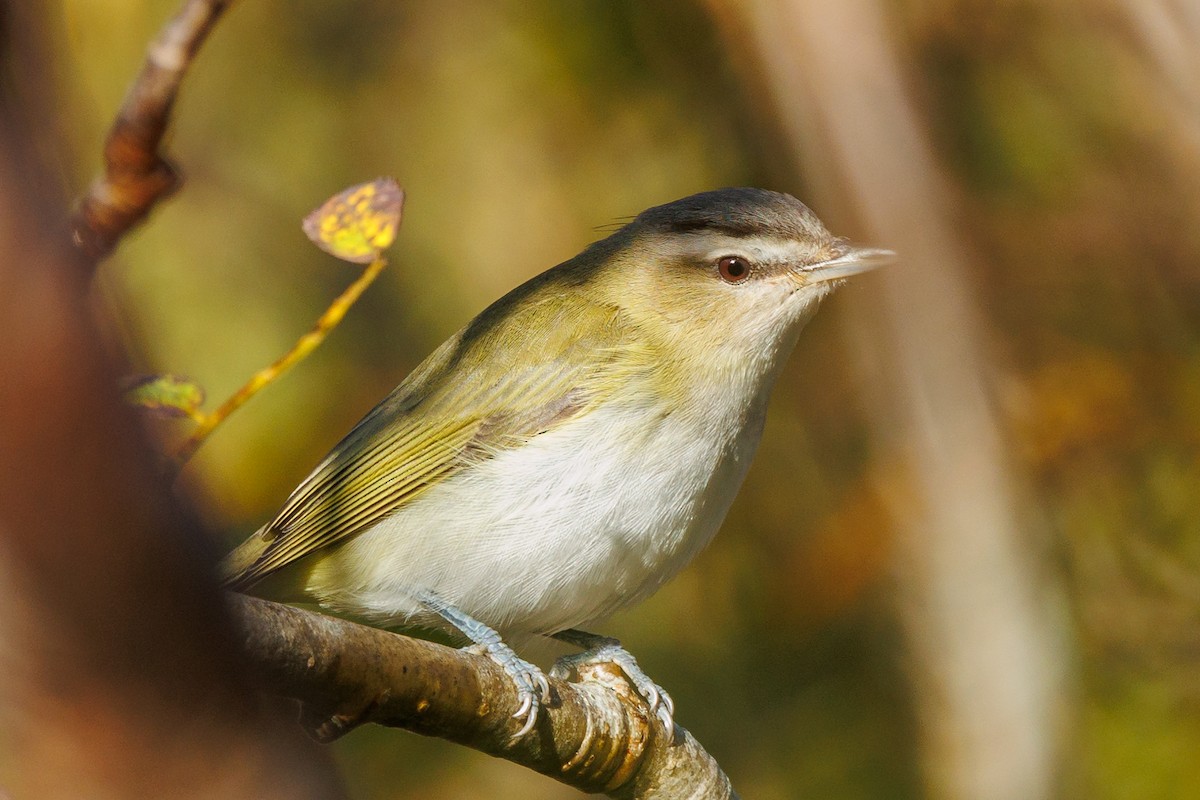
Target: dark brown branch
<point x="121" y="670"/>
<point x="136" y="176"/>
<point x="598" y="735"/>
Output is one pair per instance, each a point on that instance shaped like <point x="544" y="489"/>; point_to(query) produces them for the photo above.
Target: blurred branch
<point x="986" y="664"/>
<point x="122" y="676"/>
<point x="598" y="735"/>
<point x="136" y="176"/>
<point x="1166" y="32"/>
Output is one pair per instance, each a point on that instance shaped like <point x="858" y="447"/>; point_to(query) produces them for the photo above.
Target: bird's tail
<point x="236" y="570"/>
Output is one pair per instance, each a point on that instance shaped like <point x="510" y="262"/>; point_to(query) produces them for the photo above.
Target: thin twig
<point x="303" y="346"/>
<point x="136" y="176"/>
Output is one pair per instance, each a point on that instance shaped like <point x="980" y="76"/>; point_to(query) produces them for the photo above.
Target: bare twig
<point x="598" y="735"/>
<point x="136" y="176"/>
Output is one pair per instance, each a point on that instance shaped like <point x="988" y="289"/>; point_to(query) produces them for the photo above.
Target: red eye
<point x="733" y="269"/>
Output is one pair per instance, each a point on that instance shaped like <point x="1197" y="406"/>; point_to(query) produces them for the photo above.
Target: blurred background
<point x="965" y="562"/>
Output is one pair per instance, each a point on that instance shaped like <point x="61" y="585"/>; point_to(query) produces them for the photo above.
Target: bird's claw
<point x="661" y="704"/>
<point x="611" y="652"/>
<point x="533" y="688"/>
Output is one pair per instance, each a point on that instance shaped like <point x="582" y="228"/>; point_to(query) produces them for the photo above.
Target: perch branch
<point x="597" y="735"/>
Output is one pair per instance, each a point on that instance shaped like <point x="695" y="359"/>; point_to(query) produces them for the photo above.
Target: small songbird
<point x="571" y="448"/>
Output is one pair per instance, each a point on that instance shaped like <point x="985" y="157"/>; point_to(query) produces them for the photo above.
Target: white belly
<point x="557" y="533"/>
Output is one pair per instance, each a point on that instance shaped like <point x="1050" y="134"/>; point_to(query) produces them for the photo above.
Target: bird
<point x="570" y="449"/>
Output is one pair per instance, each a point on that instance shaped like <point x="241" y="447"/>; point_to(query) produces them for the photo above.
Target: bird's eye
<point x="734" y="269"/>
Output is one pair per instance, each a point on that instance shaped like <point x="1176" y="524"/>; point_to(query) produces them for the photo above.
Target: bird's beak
<point x="848" y="261"/>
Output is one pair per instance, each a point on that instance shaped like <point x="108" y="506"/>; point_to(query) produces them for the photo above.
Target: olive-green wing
<point x="433" y="425"/>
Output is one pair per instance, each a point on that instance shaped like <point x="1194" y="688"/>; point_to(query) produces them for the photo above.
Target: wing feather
<point x="430" y="428"/>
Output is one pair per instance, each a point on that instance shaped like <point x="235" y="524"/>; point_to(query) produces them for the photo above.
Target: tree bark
<point x="597" y="735"/>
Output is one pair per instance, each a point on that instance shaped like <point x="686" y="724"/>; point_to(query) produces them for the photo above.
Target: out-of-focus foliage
<point x="168" y="395"/>
<point x="520" y="128"/>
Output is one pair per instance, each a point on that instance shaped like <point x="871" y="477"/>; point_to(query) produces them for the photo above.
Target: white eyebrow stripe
<point x="757" y="248"/>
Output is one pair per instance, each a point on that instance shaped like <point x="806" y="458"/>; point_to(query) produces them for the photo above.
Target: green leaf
<point x="168" y="395"/>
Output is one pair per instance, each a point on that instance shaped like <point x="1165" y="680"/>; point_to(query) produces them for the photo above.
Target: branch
<point x="597" y="735"/>
<point x="136" y="176"/>
<point x="121" y="669"/>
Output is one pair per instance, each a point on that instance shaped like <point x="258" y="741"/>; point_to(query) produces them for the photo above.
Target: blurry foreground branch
<point x="598" y="735"/>
<point x="122" y="676"/>
<point x="136" y="176"/>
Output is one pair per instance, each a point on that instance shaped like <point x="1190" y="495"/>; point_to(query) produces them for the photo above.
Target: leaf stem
<point x="264" y="377"/>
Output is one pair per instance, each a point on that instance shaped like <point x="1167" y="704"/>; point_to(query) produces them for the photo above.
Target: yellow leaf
<point x="358" y="224"/>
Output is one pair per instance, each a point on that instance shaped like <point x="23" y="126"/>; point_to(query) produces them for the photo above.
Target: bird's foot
<point x="533" y="689"/>
<point x="604" y="650"/>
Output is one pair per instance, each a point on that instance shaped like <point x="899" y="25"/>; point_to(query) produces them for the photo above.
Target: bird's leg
<point x="532" y="687"/>
<point x="604" y="650"/>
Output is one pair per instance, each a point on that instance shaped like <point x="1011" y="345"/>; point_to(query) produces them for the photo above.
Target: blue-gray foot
<point x="533" y="689"/>
<point x="605" y="650"/>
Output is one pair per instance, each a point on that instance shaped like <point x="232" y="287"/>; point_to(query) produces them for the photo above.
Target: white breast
<point x="557" y="533"/>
